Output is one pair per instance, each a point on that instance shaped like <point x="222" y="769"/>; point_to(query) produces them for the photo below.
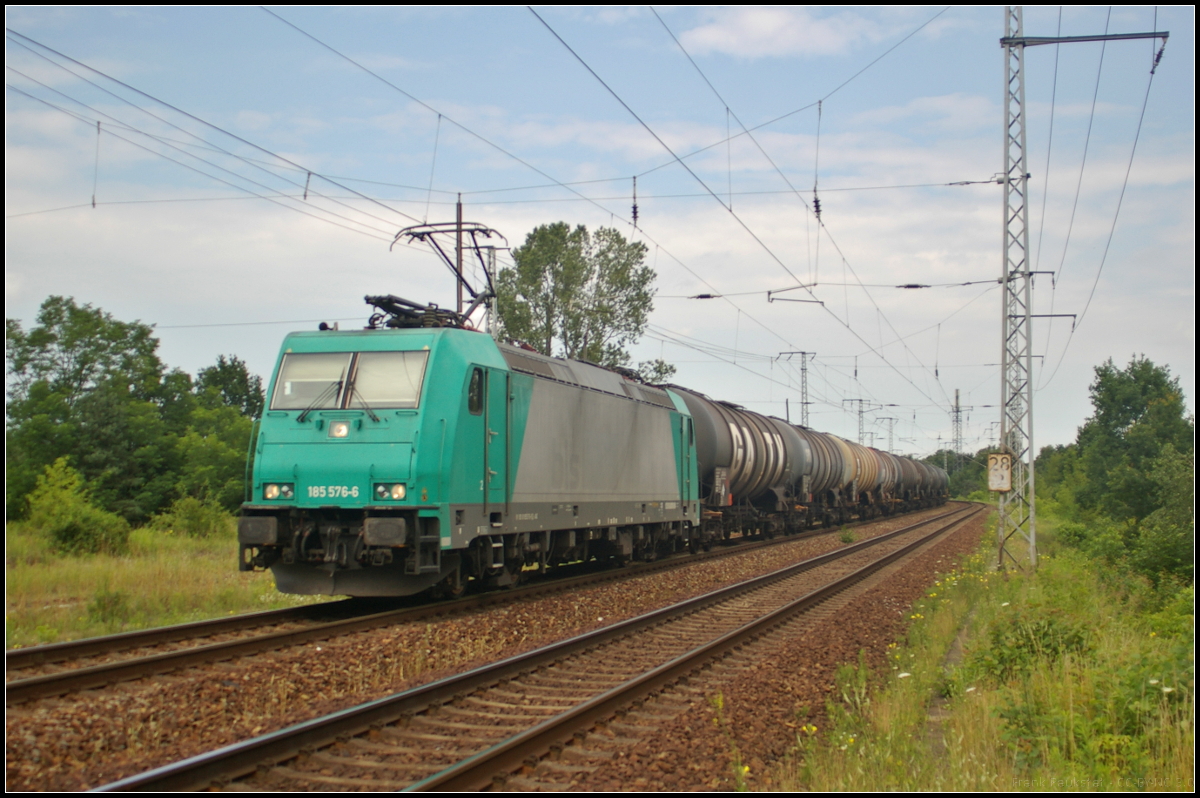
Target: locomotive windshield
<point x="316" y="381"/>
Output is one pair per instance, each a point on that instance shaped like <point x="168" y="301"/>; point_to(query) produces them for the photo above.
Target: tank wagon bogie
<point x="392" y="461"/>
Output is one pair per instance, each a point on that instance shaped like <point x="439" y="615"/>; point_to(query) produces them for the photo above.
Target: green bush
<point x="60" y="507"/>
<point x="198" y="518"/>
<point x="1017" y="640"/>
<point x="1166" y="539"/>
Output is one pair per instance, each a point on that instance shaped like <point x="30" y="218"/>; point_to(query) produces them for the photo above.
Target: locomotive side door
<point x="495" y="444"/>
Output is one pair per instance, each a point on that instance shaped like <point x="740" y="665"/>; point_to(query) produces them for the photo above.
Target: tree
<point x="1128" y="482"/>
<point x="73" y="349"/>
<point x="88" y="388"/>
<point x="85" y="386"/>
<point x="1166" y="543"/>
<point x="233" y="384"/>
<point x="1138" y="411"/>
<point x="577" y="295"/>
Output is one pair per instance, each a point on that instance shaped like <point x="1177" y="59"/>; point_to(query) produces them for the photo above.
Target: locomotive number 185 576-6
<point x="332" y="491"/>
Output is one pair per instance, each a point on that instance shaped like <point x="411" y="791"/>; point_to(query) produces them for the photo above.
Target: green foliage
<point x="1098" y="537"/>
<point x="577" y="295"/>
<point x="85" y="386"/>
<point x="655" y="371"/>
<point x="1166" y="542"/>
<point x="198" y="518"/>
<point x="75" y="349"/>
<point x="968" y="473"/>
<point x="846" y="535"/>
<point x="1018" y="639"/>
<point x="1127" y="483"/>
<point x="212" y="456"/>
<point x="160" y="579"/>
<point x="1080" y="688"/>
<point x="60" y="508"/>
<point x="230" y="384"/>
<point x="1138" y="411"/>
<point x="1176" y="618"/>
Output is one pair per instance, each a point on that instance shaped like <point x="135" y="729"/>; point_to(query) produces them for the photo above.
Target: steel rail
<point x="224" y="764"/>
<point x="21" y="658"/>
<point x="102" y="675"/>
<point x="492" y="766"/>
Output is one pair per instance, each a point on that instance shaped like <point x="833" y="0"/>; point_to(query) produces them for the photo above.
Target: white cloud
<point x="754" y="32"/>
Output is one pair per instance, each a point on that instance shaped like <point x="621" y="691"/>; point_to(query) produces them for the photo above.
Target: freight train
<point x="420" y="455"/>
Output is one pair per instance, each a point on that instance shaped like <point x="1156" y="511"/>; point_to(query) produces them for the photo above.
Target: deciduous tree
<point x="577" y="295"/>
<point x="91" y="389"/>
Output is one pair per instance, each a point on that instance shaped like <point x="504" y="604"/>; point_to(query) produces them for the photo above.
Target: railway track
<point x="466" y="731"/>
<point x="63" y="668"/>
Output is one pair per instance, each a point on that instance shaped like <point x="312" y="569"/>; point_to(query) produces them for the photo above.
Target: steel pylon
<point x="1017" y="517"/>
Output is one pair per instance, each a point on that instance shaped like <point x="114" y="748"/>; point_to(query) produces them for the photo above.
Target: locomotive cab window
<point x="387" y="379"/>
<point x="319" y="380"/>
<point x="475" y="393"/>
<point x="310" y="380"/>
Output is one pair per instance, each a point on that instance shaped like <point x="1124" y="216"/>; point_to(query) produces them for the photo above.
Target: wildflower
<point x="1005" y="604"/>
<point x="903" y="675"/>
<point x="969" y="690"/>
<point x="1154" y="681"/>
<point x="1168" y="690"/>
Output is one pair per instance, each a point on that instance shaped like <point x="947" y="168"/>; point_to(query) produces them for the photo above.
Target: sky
<point x="251" y="168"/>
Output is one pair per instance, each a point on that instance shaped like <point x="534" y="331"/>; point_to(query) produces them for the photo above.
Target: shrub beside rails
<point x="418" y="454"/>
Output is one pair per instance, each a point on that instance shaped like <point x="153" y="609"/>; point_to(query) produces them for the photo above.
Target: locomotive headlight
<point x="278" y="490"/>
<point x="339" y="429"/>
<point x="395" y="491"/>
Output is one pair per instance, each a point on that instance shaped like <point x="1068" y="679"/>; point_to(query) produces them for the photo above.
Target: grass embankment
<point x="163" y="576"/>
<point x="1079" y="678"/>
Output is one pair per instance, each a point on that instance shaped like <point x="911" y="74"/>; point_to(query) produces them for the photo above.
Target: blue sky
<point x="513" y="115"/>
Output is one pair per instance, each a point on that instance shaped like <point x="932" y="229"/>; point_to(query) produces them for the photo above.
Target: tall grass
<point x="1077" y="678"/>
<point x="165" y="576"/>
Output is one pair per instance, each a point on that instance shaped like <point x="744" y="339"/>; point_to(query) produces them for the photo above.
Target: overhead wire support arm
<point x="1033" y="41"/>
<point x="772" y="298"/>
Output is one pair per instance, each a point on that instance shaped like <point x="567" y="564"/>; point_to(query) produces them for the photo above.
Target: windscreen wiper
<point x="324" y="396"/>
<point x="355" y="393"/>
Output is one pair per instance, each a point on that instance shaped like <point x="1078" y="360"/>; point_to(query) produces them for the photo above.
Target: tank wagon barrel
<point x="764" y="464"/>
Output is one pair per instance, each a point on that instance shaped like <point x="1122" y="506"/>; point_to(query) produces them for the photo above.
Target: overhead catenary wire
<point x="451" y="203"/>
<point x="815" y="209"/>
<point x="518" y="159"/>
<point x="198" y="171"/>
<point x="802" y="108"/>
<point x="1113" y="227"/>
<point x="427" y="198"/>
<point x="200" y="121"/>
<point x="1057" y="273"/>
<point x="276" y="194"/>
<point x="704" y="185"/>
